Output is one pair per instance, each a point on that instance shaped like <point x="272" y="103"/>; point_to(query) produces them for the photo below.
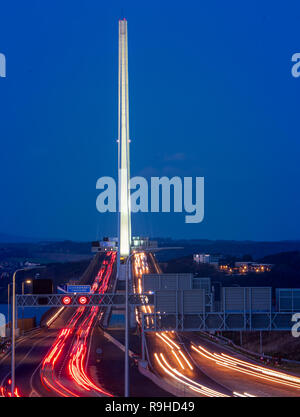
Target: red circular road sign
<point x="83" y="300"/>
<point x="66" y="300"/>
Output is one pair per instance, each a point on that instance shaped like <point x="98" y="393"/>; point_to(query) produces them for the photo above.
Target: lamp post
<point x="13" y="339"/>
<point x="126" y="394"/>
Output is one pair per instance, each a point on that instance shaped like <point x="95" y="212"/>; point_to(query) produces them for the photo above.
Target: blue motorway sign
<point x="79" y="289"/>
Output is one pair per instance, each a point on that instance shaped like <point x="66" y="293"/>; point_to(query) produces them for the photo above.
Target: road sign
<point x="66" y="300"/>
<point x="86" y="289"/>
<point x="61" y="289"/>
<point x="83" y="300"/>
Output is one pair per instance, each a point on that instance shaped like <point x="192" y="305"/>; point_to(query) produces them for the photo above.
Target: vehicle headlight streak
<point x="140" y="268"/>
<point x="248" y="368"/>
<point x="192" y="385"/>
<point x="55" y="315"/>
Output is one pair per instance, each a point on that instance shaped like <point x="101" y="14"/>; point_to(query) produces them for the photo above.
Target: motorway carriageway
<point x="63" y="371"/>
<point x="64" y="368"/>
<point x="191" y="363"/>
<point x="169" y="360"/>
<point x="235" y="370"/>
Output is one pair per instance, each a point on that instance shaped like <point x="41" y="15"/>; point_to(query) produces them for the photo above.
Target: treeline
<point x="284" y="274"/>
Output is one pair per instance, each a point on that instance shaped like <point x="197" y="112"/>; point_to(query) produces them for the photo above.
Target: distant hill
<point x="231" y="248"/>
<point x="284" y="274"/>
<point x="283" y="258"/>
<point x="6" y="238"/>
<point x="234" y="248"/>
<point x="45" y="251"/>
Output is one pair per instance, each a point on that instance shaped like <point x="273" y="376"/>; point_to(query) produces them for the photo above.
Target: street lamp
<point x="27" y="281"/>
<point x="13" y="339"/>
<point x="126" y="394"/>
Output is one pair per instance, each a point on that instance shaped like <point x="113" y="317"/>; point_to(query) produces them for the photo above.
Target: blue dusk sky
<point x="211" y="94"/>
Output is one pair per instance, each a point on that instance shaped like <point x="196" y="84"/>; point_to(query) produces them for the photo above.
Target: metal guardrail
<point x="155" y="322"/>
<point x="218" y="321"/>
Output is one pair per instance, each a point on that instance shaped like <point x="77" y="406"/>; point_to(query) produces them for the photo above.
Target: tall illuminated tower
<point x="124" y="227"/>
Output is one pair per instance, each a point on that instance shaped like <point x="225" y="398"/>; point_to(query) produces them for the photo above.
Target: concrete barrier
<point x="117" y="343"/>
<point x="175" y="389"/>
<point x="222" y="339"/>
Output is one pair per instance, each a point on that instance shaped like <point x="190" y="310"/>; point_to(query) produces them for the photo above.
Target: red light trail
<point x="79" y="327"/>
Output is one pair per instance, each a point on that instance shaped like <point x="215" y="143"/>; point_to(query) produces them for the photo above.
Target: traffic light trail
<point x="78" y="331"/>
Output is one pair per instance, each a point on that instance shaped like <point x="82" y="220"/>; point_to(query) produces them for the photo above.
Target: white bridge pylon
<point x="124" y="221"/>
